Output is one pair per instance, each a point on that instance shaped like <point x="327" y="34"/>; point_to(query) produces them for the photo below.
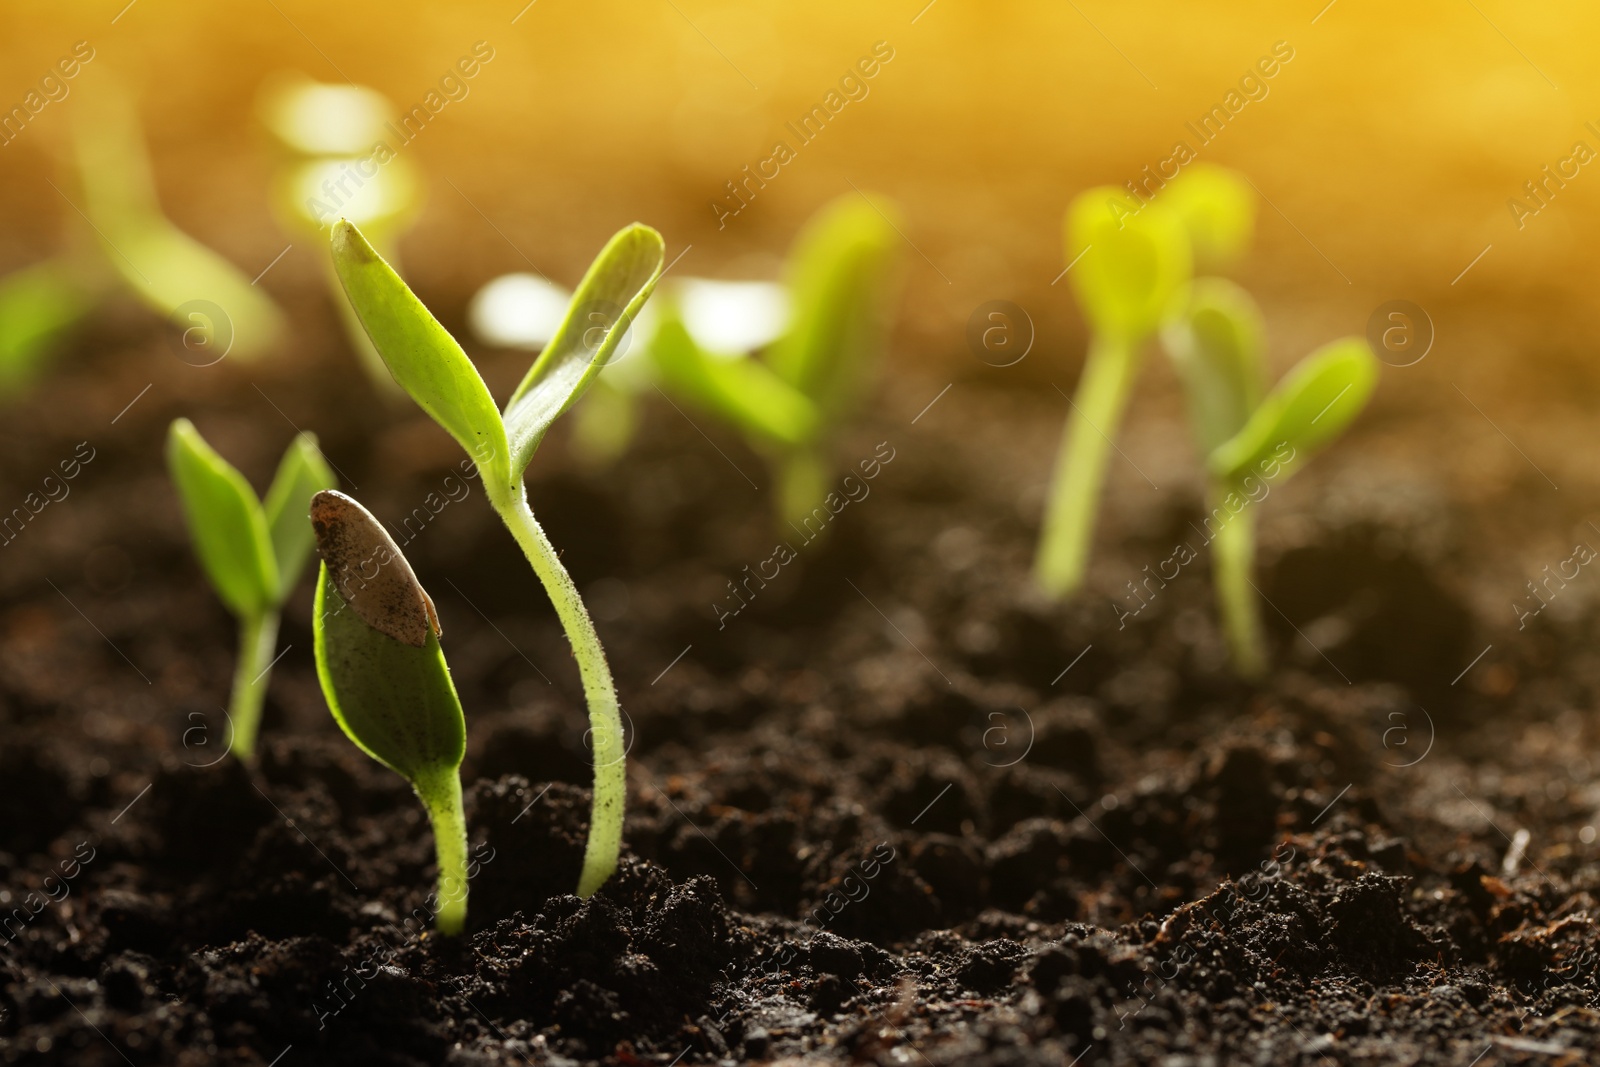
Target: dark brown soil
<point x="895" y="811"/>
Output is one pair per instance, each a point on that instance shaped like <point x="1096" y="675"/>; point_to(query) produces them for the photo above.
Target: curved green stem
<point x="1086" y="447"/>
<point x="1233" y="559"/>
<point x="605" y="718"/>
<point x="441" y="796"/>
<point x="258" y="636"/>
<point x="802" y="484"/>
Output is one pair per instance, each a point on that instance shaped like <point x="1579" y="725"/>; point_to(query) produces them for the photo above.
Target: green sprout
<point x="124" y="237"/>
<point x="1130" y="266"/>
<point x="251" y="550"/>
<point x="1252" y="439"/>
<point x="838" y="278"/>
<point x="38" y="304"/>
<point x="430" y="366"/>
<point x="204" y="295"/>
<point x="1129" y="261"/>
<point x="385" y="679"/>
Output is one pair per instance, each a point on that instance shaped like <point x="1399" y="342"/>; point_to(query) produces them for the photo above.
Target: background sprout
<point x="1249" y="442"/>
<point x="37" y="305"/>
<point x="1134" y="260"/>
<point x="337" y="164"/>
<point x="385" y="679"/>
<point x="252" y="551"/>
<point x="200" y="292"/>
<point x="1218" y="210"/>
<point x="838" y="281"/>
<point x="429" y="365"/>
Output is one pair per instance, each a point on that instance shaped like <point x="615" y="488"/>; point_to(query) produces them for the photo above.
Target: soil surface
<point x="894" y="810"/>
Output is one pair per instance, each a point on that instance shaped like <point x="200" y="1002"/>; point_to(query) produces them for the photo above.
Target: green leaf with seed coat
<point x="395" y="701"/>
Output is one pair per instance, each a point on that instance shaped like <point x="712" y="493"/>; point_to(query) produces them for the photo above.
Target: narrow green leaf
<point x="839" y="277"/>
<point x="1307" y="409"/>
<point x="1216" y="342"/>
<point x="226" y="522"/>
<point x="302" y="473"/>
<point x="420" y="353"/>
<point x="395" y="701"/>
<point x="1218" y="210"/>
<point x="1126" y="261"/>
<point x="743" y="391"/>
<point x="618" y="282"/>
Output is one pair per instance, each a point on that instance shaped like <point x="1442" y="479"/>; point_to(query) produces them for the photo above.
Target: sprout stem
<point x="1235" y="548"/>
<point x="258" y="636"/>
<point x="1081" y="465"/>
<point x="441" y="796"/>
<point x="605" y="720"/>
<point x="802" y="484"/>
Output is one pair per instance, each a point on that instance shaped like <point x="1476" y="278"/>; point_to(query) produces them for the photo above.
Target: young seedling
<point x="1127" y="269"/>
<point x="252" y="550"/>
<point x="216" y="306"/>
<point x="839" y="277"/>
<point x="430" y="366"/>
<point x="1252" y="439"/>
<point x="385" y="679"/>
<point x="1129" y="261"/>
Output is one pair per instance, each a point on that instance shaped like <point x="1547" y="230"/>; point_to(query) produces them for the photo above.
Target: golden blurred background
<point x="1386" y="149"/>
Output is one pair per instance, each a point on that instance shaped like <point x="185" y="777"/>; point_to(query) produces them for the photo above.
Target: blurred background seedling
<point x="336" y="161"/>
<point x="820" y="338"/>
<point x="210" y="301"/>
<point x="1130" y="253"/>
<point x="251" y="550"/>
<point x="432" y="368"/>
<point x="1252" y="440"/>
<point x="385" y="679"/>
<point x="1126" y="262"/>
<point x="123" y="239"/>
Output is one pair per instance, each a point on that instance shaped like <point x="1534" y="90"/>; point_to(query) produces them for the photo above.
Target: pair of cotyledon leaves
<point x="836" y="277"/>
<point x="1135" y="278"/>
<point x="253" y="550"/>
<point x="429" y="365"/>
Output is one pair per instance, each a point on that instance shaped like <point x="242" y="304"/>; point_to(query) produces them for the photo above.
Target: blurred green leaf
<point x="1216" y="342"/>
<point x="1311" y="406"/>
<point x="742" y="391"/>
<point x="396" y="702"/>
<point x="302" y="473"/>
<point x="421" y="354"/>
<point x="37" y="305"/>
<point x="226" y="523"/>
<point x="176" y="275"/>
<point x="617" y="284"/>
<point x="1130" y="261"/>
<point x="839" y="275"/>
<point x="1218" y="210"/>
